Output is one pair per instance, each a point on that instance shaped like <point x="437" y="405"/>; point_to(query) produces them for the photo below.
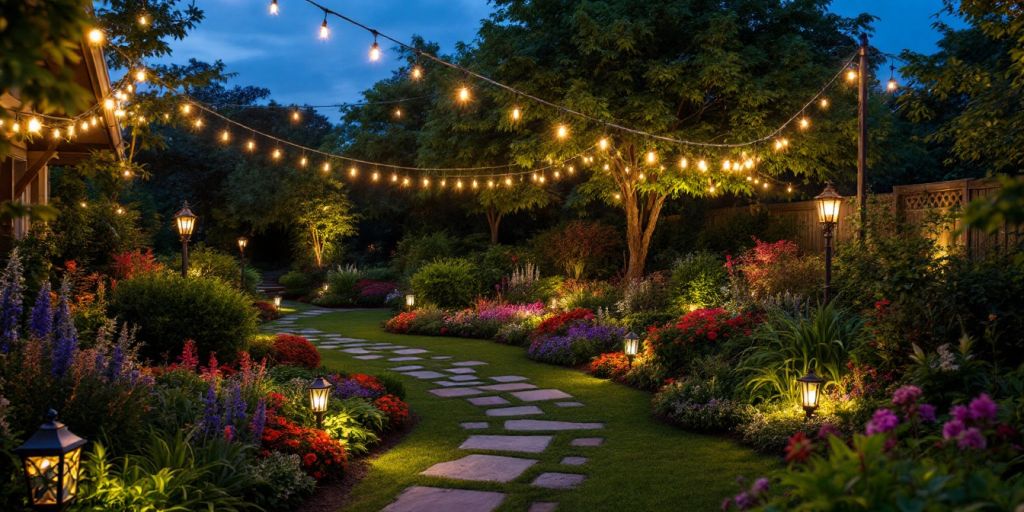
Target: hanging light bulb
<point x="562" y="132"/>
<point x="617" y="196"/>
<point x="198" y="123"/>
<point x="303" y="161"/>
<point x="851" y="75"/>
<point x="273" y="7"/>
<point x="516" y="114"/>
<point x="463" y="94"/>
<point x="405" y="181"/>
<point x="225" y="136"/>
<point x="652" y="158"/>
<point x="324" y="31"/>
<point x="542" y="179"/>
<point x="140" y="75"/>
<point x="143" y="20"/>
<point x="109" y="104"/>
<point x="748" y="163"/>
<point x="251" y="145"/>
<point x="296" y="117"/>
<point x="56" y="133"/>
<point x="475" y="185"/>
<point x="276" y="155"/>
<point x="702" y="165"/>
<point x="443" y="182"/>
<point x="508" y="181"/>
<point x="85" y="126"/>
<point x="823" y="103"/>
<point x="571" y="170"/>
<point x="789" y="189"/>
<point x="375" y="176"/>
<point x="416" y="72"/>
<point x="765" y="185"/>
<point x="892" y="85"/>
<point x="15" y="127"/>
<point x="375" y="52"/>
<point x="398" y="113"/>
<point x="96" y="37"/>
<point x="712" y="188"/>
<point x="602" y="144"/>
<point x="683" y="163"/>
<point x="805" y="123"/>
<point x="458" y="184"/>
<point x="34" y="125"/>
<point x="186" y="109"/>
<point x="326" y="167"/>
<point x="353" y="172"/>
<point x="426" y="182"/>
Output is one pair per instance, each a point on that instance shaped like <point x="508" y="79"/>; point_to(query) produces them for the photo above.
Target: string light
<point x="562" y="132"/>
<point x="516" y="114"/>
<point x="303" y="161"/>
<point x="683" y="163"/>
<point x="394" y="178"/>
<point x="398" y="113"/>
<point x="273" y="7"/>
<point x="652" y="158"/>
<point x="405" y="181"/>
<point x="375" y="52"/>
<point x="475" y="185"/>
<point x="426" y="182"/>
<point x="892" y="85"/>
<point x="789" y="189"/>
<point x="353" y="172"/>
<point x="823" y="103"/>
<point x="416" y="72"/>
<point x="56" y="133"/>
<point x="805" y="123"/>
<point x="602" y="144"/>
<point x="276" y="155"/>
<point x="726" y="165"/>
<point x="375" y="176"/>
<point x="296" y="117"/>
<point x="109" y="104"/>
<point x="463" y="94"/>
<point x="34" y="125"/>
<point x="326" y="167"/>
<point x="186" y="109"/>
<point x="251" y="145"/>
<point x="198" y="123"/>
<point x="225" y="136"/>
<point x="96" y="37"/>
<point x="140" y="75"/>
<point x="851" y="75"/>
<point x="143" y="20"/>
<point x="458" y="184"/>
<point x="324" y="31"/>
<point x="702" y="165"/>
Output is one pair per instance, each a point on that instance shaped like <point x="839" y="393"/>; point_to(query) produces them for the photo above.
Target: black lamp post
<point x="243" y="242"/>
<point x="319" y="393"/>
<point x="829" y="202"/>
<point x="185" y="222"/>
<point x="810" y="391"/>
<point x="51" y="460"/>
<point x="631" y="346"/>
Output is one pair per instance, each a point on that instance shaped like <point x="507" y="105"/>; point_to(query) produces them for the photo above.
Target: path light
<point x="810" y="390"/>
<point x="50" y="460"/>
<point x="319" y="393"/>
<point x="185" y="222"/>
<point x="631" y="346"/>
<point x="829" y="202"/>
<point x="410" y="300"/>
<point x="243" y="242"/>
<point x="277" y="301"/>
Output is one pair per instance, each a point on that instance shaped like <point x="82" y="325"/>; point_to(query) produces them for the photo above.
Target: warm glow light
<point x="375" y="176"/>
<point x="186" y="109"/>
<point x="319" y="394"/>
<point x="296" y="116"/>
<point x="829" y="202"/>
<point x="109" y="104"/>
<point x="416" y="73"/>
<point x="303" y="162"/>
<point x="326" y="167"/>
<point x="426" y="182"/>
<point x="34" y="125"/>
<point x="711" y="189"/>
<point x="562" y="132"/>
<point x="375" y="52"/>
<point x="463" y="94"/>
<point x="410" y="300"/>
<point x="892" y="85"/>
<point x="823" y="103"/>
<point x="198" y="123"/>
<point x="789" y="188"/>
<point x="324" y="31"/>
<point x="96" y="36"/>
<point x="749" y="163"/>
<point x="683" y="163"/>
<point x="140" y="75"/>
<point x="617" y="196"/>
<point x="602" y="144"/>
<point x="508" y="181"/>
<point x="702" y="165"/>
<point x="56" y="133"/>
<point x="276" y="154"/>
<point x="85" y="126"/>
<point x="273" y="7"/>
<point x="851" y="75"/>
<point x="406" y="181"/>
<point x="810" y="391"/>
<point x="516" y="114"/>
<point x="394" y="178"/>
<point x="652" y="158"/>
<point x="225" y="136"/>
<point x="353" y="172"/>
<point x="143" y="20"/>
<point x="631" y="345"/>
<point x="458" y="184"/>
<point x="398" y="113"/>
<point x="805" y="123"/>
<point x="251" y="145"/>
<point x="726" y="165"/>
<point x="475" y="185"/>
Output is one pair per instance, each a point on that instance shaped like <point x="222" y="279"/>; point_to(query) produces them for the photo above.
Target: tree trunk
<point x="642" y="212"/>
<point x="493" y="221"/>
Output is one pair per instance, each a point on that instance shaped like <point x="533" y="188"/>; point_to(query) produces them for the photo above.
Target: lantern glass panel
<point x="53" y="479"/>
<point x="809" y="394"/>
<point x="185" y="224"/>
<point x="632" y="346"/>
<point x="410" y="300"/>
<point x="828" y="210"/>
<point x="318" y="399"/>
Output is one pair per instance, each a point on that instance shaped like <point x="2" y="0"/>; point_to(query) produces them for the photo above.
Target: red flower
<point x="295" y="350"/>
<point x="799" y="448"/>
<point x="613" y="365"/>
<point x="395" y="408"/>
<point x="309" y="459"/>
<point x="400" y="323"/>
<point x="559" y="323"/>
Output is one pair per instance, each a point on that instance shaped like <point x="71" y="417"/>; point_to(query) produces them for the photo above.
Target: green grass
<point x="644" y="465"/>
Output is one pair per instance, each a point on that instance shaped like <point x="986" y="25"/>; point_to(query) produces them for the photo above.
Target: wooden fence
<point x="914" y="203"/>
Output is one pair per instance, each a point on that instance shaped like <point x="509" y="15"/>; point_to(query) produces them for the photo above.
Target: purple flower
<point x="12" y="283"/>
<point x="760" y="486"/>
<point x="116" y="363"/>
<point x="952" y="428"/>
<point x="972" y="438"/>
<point x="65" y="340"/>
<point x="259" y="420"/>
<point x="743" y="501"/>
<point x="827" y="430"/>
<point x="234" y="406"/>
<point x="883" y="421"/>
<point x="42" y="314"/>
<point x="906" y="395"/>
<point x="926" y="412"/>
<point x="961" y="413"/>
<point x="211" y="411"/>
<point x="983" y="408"/>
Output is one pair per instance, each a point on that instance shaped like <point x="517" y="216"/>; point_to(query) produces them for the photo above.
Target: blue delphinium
<point x="65" y="339"/>
<point x="259" y="420"/>
<point x="13" y="284"/>
<point x="42" y="314"/>
<point x="115" y="363"/>
<point x="234" y="406"/>
<point x="211" y="411"/>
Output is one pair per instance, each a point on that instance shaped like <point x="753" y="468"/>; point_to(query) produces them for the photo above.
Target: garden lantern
<point x="51" y="462"/>
<point x="319" y="393"/>
<point x="810" y="391"/>
<point x="829" y="202"/>
<point x="410" y="300"/>
<point x="243" y="242"/>
<point x="185" y="221"/>
<point x="631" y="346"/>
<point x="277" y="301"/>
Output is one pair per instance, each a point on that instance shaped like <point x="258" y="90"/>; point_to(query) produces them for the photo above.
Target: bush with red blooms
<point x="395" y="408"/>
<point x="133" y="263"/>
<point x="561" y="322"/>
<point x="400" y="323"/>
<point x="612" y="365"/>
<point x="696" y="333"/>
<point x="268" y="311"/>
<point x="373" y="292"/>
<point x="295" y="350"/>
<point x="322" y="457"/>
<point x="777" y="267"/>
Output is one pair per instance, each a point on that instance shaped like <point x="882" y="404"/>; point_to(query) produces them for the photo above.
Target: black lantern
<point x="829" y="202"/>
<point x="243" y="242"/>
<point x="810" y="391"/>
<point x="319" y="393"/>
<point x="631" y="346"/>
<point x="185" y="222"/>
<point x="51" y="460"/>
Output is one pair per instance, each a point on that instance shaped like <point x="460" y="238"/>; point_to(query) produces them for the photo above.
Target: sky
<point x="284" y="54"/>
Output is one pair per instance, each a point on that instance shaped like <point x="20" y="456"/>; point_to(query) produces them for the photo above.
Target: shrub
<point x="207" y="262"/>
<point x="699" y="280"/>
<point x="286" y="373"/>
<point x="341" y="288"/>
<point x="396" y="410"/>
<point x="484" y="320"/>
<point x="610" y="365"/>
<point x="697" y="405"/>
<point x="579" y="248"/>
<point x="297" y="283"/>
<point x="293" y="350"/>
<point x="374" y="293"/>
<point x="773" y="268"/>
<point x="592" y="295"/>
<point x="279" y="482"/>
<point x="127" y="265"/>
<point x="429" y="320"/>
<point x="170" y="309"/>
<point x="581" y="342"/>
<point x="415" y="251"/>
<point x="449" y="282"/>
<point x="560" y="322"/>
<point x="392" y="384"/>
<point x="517" y="332"/>
<point x="676" y="345"/>
<point x="400" y="323"/>
<point x="261" y="346"/>
<point x="322" y="457"/>
<point x="267" y="311"/>
<point x="356" y="423"/>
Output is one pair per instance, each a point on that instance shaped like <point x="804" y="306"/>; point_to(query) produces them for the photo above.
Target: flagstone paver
<point x="407" y="368"/>
<point x="525" y="410"/>
<point x="474" y="425"/>
<point x="461" y="370"/>
<point x="450" y="384"/>
<point x="509" y="378"/>
<point x="525" y="444"/>
<point x="441" y="358"/>
<point x="455" y="392"/>
<point x="405" y="358"/>
<point x="458" y="378"/>
<point x="424" y="374"/>
<point x="488" y="400"/>
<point x="435" y="499"/>
<point x="573" y="461"/>
<point x="542" y="425"/>
<point x="356" y="351"/>
<point x="569" y="404"/>
<point x="411" y="351"/>
<point x="481" y="468"/>
<point x="513" y="386"/>
<point x="469" y="363"/>
<point x="369" y="357"/>
<point x="558" y="480"/>
<point x="538" y="395"/>
<point x="587" y="441"/>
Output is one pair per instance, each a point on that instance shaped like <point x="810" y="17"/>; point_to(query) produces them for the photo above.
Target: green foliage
<point x="449" y="282"/>
<point x="498" y="202"/>
<point x="392" y="384"/>
<point x="261" y="346"/>
<point x="279" y="483"/>
<point x="697" y="405"/>
<point x="324" y="218"/>
<point x="736" y="232"/>
<point x="170" y="309"/>
<point x="356" y="422"/>
<point x="698" y="280"/>
<point x="786" y="348"/>
<point x="207" y="262"/>
<point x="283" y="373"/>
<point x="297" y="283"/>
<point x="341" y="288"/>
<point x="413" y="252"/>
<point x="994" y="212"/>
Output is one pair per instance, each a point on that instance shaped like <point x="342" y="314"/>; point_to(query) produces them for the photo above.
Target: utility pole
<point x="862" y="135"/>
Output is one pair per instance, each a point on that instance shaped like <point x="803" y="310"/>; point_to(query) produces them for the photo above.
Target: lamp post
<point x="829" y="202"/>
<point x="319" y="393"/>
<point x="410" y="301"/>
<point x="810" y="390"/>
<point x="631" y="346"/>
<point x="51" y="462"/>
<point x="185" y="221"/>
<point x="243" y="242"/>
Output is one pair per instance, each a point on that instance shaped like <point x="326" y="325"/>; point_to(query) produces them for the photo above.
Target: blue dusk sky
<point x="284" y="54"/>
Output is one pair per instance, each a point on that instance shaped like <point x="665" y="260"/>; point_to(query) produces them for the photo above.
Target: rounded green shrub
<point x="698" y="280"/>
<point x="448" y="282"/>
<point x="170" y="309"/>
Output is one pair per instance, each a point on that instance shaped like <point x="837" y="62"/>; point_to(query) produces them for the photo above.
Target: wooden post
<point x="862" y="134"/>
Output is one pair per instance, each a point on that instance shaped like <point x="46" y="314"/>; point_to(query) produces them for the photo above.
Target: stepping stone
<point x="408" y="368"/>
<point x="587" y="441"/>
<point x="526" y="444"/>
<point x="469" y="363"/>
<point x="405" y="358"/>
<point x="356" y="351"/>
<point x="461" y="370"/>
<point x="411" y="351"/>
<point x="543" y="506"/>
<point x="435" y="499"/>
<point x="474" y="425"/>
<point x="573" y="461"/>
<point x="368" y="357"/>
<point x="513" y="386"/>
<point x="455" y="392"/>
<point x="558" y="480"/>
<point x="450" y="384"/>
<point x="509" y="378"/>
<point x="424" y="374"/>
<point x="538" y="395"/>
<point x="537" y="425"/>
<point x="481" y="468"/>
<point x="488" y="400"/>
<point x="441" y="358"/>
<point x="462" y="378"/>
<point x="569" y="404"/>
<point x="525" y="410"/>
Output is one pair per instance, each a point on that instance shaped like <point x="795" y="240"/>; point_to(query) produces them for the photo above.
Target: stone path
<point x="525" y="415"/>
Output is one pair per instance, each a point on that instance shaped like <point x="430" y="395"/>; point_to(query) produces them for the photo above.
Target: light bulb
<point x="251" y="145"/>
<point x="405" y="181"/>
<point x="56" y="133"/>
<point x="652" y="157"/>
<point x="458" y="184"/>
<point x="85" y="126"/>
<point x="353" y="172"/>
<point x="851" y="75"/>
<point x="571" y="170"/>
<point x="276" y="154"/>
<point x="602" y="144"/>
<point x="143" y="20"/>
<point x="508" y="181"/>
<point x="805" y="123"/>
<point x="562" y="132"/>
<point x="711" y="189"/>
<point x="416" y="73"/>
<point x="96" y="36"/>
<point x="398" y="112"/>
<point x="475" y="184"/>
<point x="683" y="163"/>
<point x="140" y="75"/>
<point x="516" y="114"/>
<point x="394" y="178"/>
<point x="892" y="85"/>
<point x="702" y="165"/>
<point x="375" y="176"/>
<point x="109" y="104"/>
<point x="326" y="167"/>
<point x="443" y="183"/>
<point x="490" y="183"/>
<point x="34" y="125"/>
<point x="463" y="94"/>
<point x="426" y="182"/>
<point x="303" y="162"/>
<point x="617" y="196"/>
<point x="225" y="136"/>
<point x="324" y="31"/>
<point x="789" y="189"/>
<point x="823" y="103"/>
<point x="186" y="109"/>
<point x="726" y="165"/>
<point x="198" y="122"/>
<point x="375" y="52"/>
<point x="295" y="116"/>
<point x="273" y="7"/>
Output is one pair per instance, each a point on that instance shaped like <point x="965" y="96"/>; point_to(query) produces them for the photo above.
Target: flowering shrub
<point x="400" y="323"/>
<point x="372" y="292"/>
<point x="295" y="350"/>
<point x="268" y="312"/>
<point x="322" y="457"/>
<point x="358" y="385"/>
<point x="581" y="342"/>
<point x="698" y="332"/>
<point x="558" y="323"/>
<point x="773" y="268"/>
<point x="697" y="405"/>
<point x="129" y="264"/>
<point x="610" y="365"/>
<point x="395" y="408"/>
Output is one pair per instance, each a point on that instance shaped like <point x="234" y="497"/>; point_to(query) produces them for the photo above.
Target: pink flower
<point x="972" y="438"/>
<point x="883" y="421"/>
<point x="760" y="486"/>
<point x="961" y="413"/>
<point x="952" y="429"/>
<point x="926" y="412"/>
<point x="906" y="395"/>
<point x="827" y="430"/>
<point x="983" y="408"/>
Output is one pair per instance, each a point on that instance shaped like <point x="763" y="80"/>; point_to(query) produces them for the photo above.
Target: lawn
<point x="643" y="465"/>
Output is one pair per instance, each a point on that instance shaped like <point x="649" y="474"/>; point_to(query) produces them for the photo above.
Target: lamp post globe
<point x="185" y="223"/>
<point x="829" y="203"/>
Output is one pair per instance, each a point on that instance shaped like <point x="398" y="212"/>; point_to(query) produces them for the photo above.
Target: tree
<point x="498" y="202"/>
<point x="323" y="218"/>
<point x="699" y="70"/>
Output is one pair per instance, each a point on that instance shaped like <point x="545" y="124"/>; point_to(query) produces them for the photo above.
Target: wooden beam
<point x="33" y="170"/>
